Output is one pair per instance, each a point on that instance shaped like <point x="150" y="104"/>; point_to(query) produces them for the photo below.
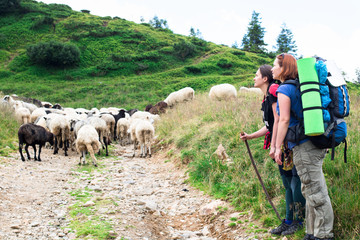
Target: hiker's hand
<point x="244" y="136"/>
<point x="272" y="152"/>
<point x="278" y="154"/>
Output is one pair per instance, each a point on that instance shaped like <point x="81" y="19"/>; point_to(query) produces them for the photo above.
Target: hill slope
<point x="121" y="63"/>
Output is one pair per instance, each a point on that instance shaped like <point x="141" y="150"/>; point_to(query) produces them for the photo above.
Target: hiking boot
<point x="282" y="227"/>
<point x="295" y="225"/>
<point x="309" y="237"/>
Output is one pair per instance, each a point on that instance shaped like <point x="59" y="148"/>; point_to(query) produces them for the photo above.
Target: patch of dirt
<point x="152" y="199"/>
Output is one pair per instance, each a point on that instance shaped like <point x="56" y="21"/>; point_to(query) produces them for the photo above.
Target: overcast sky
<point x="330" y="29"/>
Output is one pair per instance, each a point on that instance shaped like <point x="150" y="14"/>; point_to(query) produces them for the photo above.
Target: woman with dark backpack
<point x="307" y="158"/>
<point x="295" y="202"/>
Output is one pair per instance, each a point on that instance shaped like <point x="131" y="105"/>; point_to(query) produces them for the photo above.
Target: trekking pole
<point x="259" y="177"/>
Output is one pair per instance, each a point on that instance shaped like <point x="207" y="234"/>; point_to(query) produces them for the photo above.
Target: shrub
<point x="184" y="49"/>
<point x="238" y="53"/>
<point x="41" y="20"/>
<point x="54" y="53"/>
<point x="224" y="63"/>
<point x="193" y="69"/>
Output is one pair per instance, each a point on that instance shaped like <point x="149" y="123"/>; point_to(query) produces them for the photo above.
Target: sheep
<point x="148" y="107"/>
<point x="144" y="135"/>
<point x="158" y="108"/>
<point x="133" y="129"/>
<point x="131" y="111"/>
<point x="110" y="123"/>
<point x="41" y="121"/>
<point x="32" y="134"/>
<point x="144" y="115"/>
<point x="8" y="100"/>
<point x="17" y="103"/>
<point x="46" y="104"/>
<point x="102" y="129"/>
<point x="60" y="127"/>
<point x="22" y="115"/>
<point x="68" y="110"/>
<point x="87" y="140"/>
<point x="57" y="106"/>
<point x="39" y="112"/>
<point x="223" y="92"/>
<point x="251" y="90"/>
<point x="120" y="114"/>
<point x="122" y="131"/>
<point x="179" y="96"/>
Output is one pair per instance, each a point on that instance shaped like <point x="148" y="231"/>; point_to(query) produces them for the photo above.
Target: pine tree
<point x="253" y="40"/>
<point x="158" y="23"/>
<point x="357" y="72"/>
<point x="285" y="42"/>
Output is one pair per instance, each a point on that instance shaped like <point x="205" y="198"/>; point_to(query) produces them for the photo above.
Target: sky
<point x="329" y="29"/>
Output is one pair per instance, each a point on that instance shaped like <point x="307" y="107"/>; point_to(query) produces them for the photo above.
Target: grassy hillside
<point x="122" y="63"/>
<point x="192" y="132"/>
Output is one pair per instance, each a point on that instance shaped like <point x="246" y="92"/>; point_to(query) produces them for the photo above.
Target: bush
<point x="184" y="49"/>
<point x="193" y="69"/>
<point x="54" y="53"/>
<point x="224" y="63"/>
<point x="41" y="20"/>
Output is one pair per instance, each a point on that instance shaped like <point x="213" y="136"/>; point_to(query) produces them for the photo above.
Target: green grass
<point x="196" y="129"/>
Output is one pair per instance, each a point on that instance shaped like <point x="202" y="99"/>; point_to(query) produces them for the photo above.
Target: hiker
<point x="293" y="197"/>
<point x="307" y="158"/>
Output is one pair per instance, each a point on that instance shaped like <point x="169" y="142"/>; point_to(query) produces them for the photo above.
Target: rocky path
<point x="138" y="198"/>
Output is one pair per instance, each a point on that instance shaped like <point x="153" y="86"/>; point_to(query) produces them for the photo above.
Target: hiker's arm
<point x="274" y="132"/>
<point x="259" y="133"/>
<point x="284" y="119"/>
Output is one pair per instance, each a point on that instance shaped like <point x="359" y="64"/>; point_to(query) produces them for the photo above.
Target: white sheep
<point x="60" y="127"/>
<point x="122" y="127"/>
<point x="252" y="90"/>
<point x="145" y="115"/>
<point x="133" y="129"/>
<point x="179" y="96"/>
<point x="223" y="91"/>
<point x="22" y="115"/>
<point x="39" y="112"/>
<point x="110" y="123"/>
<point x="68" y="110"/>
<point x="18" y="103"/>
<point x="102" y="129"/>
<point x="87" y="140"/>
<point x="145" y="134"/>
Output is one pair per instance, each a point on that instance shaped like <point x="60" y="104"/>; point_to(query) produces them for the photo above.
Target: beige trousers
<point x="319" y="215"/>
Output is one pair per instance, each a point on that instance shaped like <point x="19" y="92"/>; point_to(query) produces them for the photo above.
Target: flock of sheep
<point x="90" y="130"/>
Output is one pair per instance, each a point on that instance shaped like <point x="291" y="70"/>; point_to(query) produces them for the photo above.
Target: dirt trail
<point x="141" y="198"/>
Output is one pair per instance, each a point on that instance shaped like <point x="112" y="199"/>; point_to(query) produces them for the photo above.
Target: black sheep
<point x="121" y="114"/>
<point x="32" y="134"/>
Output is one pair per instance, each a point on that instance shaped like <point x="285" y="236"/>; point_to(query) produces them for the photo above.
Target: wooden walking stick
<point x="259" y="177"/>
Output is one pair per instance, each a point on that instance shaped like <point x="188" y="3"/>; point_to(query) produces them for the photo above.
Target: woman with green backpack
<point x="307" y="158"/>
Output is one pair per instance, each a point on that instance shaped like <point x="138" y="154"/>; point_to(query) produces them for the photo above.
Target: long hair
<point x="289" y="66"/>
<point x="265" y="71"/>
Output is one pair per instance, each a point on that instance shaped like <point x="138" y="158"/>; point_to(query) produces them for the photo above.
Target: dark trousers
<point x="295" y="201"/>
